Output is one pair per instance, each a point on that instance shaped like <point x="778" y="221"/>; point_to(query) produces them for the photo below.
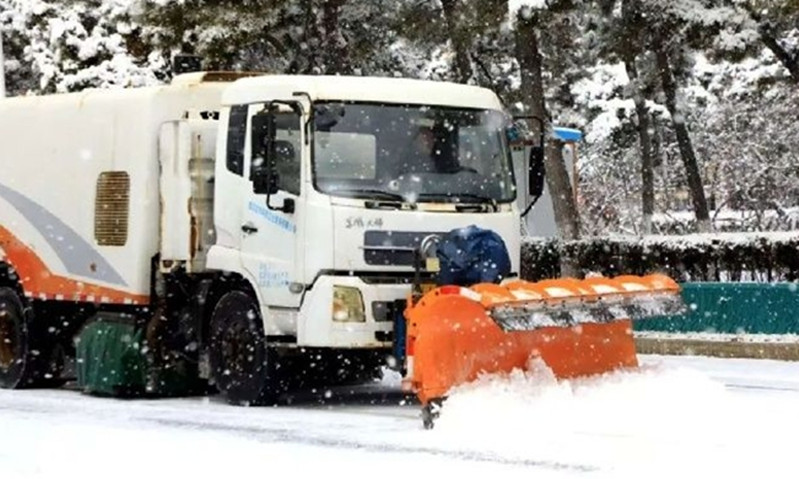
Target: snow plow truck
<point x="257" y="233"/>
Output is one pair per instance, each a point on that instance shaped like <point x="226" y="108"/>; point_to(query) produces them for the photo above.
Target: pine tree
<point x="280" y="36"/>
<point x="69" y="45"/>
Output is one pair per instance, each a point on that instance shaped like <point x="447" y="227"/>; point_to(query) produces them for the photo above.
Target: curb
<point x="719" y="349"/>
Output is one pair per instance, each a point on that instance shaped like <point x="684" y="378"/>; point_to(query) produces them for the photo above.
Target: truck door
<point x="270" y="238"/>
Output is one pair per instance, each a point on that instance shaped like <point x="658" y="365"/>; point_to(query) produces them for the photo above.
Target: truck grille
<point x="392" y="248"/>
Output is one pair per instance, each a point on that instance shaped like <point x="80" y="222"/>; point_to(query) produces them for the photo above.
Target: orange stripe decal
<point x="37" y="279"/>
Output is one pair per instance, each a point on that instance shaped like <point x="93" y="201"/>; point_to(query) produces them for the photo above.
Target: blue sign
<point x="273" y="217"/>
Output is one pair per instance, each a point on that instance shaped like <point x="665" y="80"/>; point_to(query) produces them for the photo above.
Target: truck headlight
<point x="348" y="305"/>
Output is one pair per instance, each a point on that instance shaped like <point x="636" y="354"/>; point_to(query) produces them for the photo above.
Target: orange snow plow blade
<point x="577" y="327"/>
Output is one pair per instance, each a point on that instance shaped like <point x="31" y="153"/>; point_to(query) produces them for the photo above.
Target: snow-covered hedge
<point x="767" y="257"/>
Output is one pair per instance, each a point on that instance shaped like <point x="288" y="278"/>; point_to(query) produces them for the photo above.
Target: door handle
<point x="249" y="228"/>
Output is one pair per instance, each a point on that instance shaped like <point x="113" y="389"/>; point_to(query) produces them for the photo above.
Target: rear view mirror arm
<point x="535" y="163"/>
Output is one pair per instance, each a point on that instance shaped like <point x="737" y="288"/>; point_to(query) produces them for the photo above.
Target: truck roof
<point x="251" y="87"/>
<point x="183" y="85"/>
<point x="363" y="89"/>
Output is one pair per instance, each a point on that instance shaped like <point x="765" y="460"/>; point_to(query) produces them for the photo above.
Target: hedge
<point x="761" y="257"/>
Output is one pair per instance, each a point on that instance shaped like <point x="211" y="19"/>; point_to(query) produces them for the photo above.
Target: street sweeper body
<point x="259" y="231"/>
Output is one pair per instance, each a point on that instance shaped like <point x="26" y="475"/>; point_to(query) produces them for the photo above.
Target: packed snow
<point x="675" y="417"/>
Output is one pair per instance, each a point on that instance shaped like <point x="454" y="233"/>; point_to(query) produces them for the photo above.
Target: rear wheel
<point x="13" y="340"/>
<point x="242" y="365"/>
<point x="29" y="358"/>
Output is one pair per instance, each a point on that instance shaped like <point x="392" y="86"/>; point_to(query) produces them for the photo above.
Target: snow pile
<point x="668" y="420"/>
<point x="390" y="378"/>
<point x="535" y="401"/>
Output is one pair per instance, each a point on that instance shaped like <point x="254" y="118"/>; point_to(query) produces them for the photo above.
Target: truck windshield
<point x="411" y="152"/>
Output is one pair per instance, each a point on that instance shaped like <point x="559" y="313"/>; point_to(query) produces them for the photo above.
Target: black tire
<point x="14" y="364"/>
<point x="242" y="365"/>
<point x="27" y="358"/>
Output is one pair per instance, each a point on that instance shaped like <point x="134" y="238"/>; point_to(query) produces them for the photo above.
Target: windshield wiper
<point x="398" y="200"/>
<point x="456" y="198"/>
<point x="461" y="199"/>
<point x="372" y="194"/>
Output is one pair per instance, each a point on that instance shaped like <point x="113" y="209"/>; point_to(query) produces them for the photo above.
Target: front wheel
<point x="242" y="365"/>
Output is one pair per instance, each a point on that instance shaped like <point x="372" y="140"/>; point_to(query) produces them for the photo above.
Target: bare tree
<point x="687" y="152"/>
<point x="334" y="48"/>
<point x="645" y="142"/>
<point x="528" y="54"/>
<point x="463" y="64"/>
<point x="630" y="49"/>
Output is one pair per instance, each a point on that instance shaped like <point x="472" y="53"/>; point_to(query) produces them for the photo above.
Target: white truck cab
<point x="363" y="170"/>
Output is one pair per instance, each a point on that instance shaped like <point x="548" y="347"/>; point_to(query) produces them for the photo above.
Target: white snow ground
<point x="676" y="417"/>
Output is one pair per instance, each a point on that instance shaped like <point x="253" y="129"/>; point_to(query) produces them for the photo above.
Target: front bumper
<point x="316" y="327"/>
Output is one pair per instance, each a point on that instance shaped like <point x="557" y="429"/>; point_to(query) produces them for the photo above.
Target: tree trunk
<point x="657" y="156"/>
<point x="531" y="65"/>
<point x="645" y="141"/>
<point x="686" y="148"/>
<point x="305" y="57"/>
<point x="463" y="64"/>
<point x="2" y="68"/>
<point x="335" y="56"/>
<point x="631" y="48"/>
<point x="531" y="68"/>
<point x="791" y="62"/>
<point x="560" y="188"/>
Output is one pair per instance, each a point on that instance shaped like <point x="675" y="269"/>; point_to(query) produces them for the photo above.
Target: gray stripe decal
<point x="76" y="254"/>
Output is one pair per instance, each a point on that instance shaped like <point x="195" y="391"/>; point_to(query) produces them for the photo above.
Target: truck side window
<point x="236" y="136"/>
<point x="287" y="150"/>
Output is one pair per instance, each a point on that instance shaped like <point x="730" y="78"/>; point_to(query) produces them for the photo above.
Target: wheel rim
<point x="8" y="338"/>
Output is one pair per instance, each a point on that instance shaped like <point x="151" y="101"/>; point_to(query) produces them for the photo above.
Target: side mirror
<point x="536" y="172"/>
<point x="265" y="181"/>
<point x="276" y="155"/>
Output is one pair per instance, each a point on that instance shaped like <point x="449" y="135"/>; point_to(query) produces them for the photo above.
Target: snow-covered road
<point x="676" y="417"/>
